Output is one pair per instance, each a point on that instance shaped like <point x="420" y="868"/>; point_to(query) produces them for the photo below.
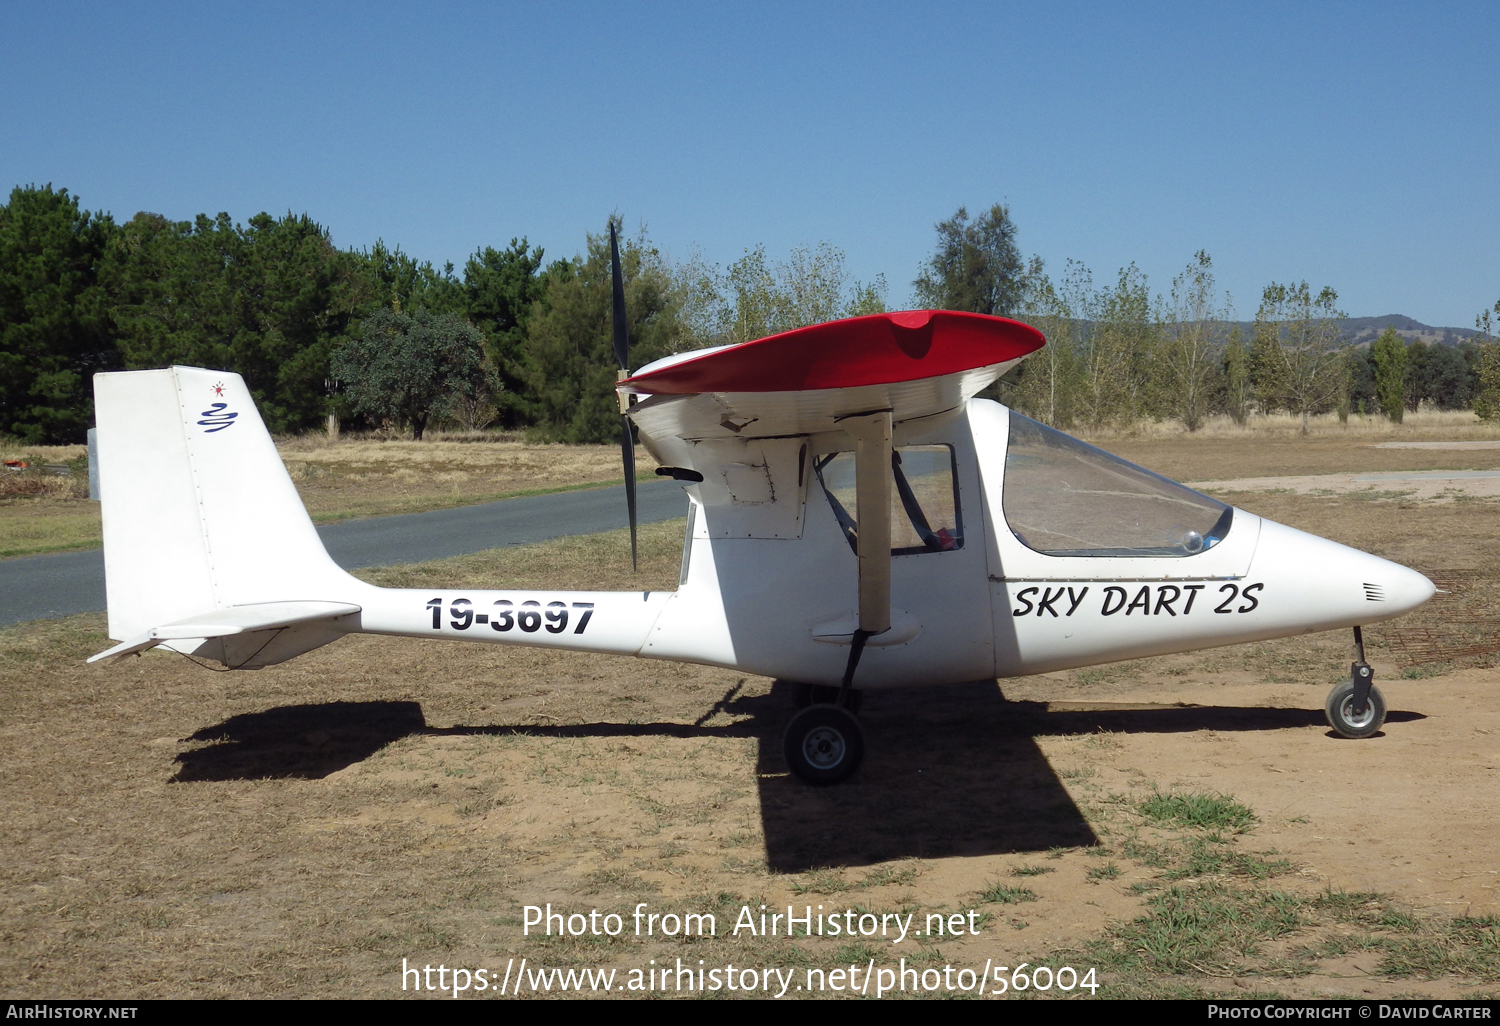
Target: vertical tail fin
<point x="199" y="512"/>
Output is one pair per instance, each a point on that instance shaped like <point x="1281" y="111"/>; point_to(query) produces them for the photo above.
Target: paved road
<point x="1432" y="475"/>
<point x="41" y="587"/>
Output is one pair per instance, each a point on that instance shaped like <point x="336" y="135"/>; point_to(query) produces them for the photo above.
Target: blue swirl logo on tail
<point x="217" y="418"/>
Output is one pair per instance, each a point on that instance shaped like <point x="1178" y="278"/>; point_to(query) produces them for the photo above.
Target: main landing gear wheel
<point x="804" y="695"/>
<point x="1341" y="715"/>
<point x="823" y="744"/>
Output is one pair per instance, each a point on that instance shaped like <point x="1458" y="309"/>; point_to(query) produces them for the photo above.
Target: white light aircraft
<point x="857" y="521"/>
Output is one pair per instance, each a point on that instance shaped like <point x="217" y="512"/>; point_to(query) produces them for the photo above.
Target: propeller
<point x="622" y="357"/>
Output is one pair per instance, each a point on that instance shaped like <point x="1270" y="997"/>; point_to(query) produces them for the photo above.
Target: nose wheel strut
<point x="1355" y="707"/>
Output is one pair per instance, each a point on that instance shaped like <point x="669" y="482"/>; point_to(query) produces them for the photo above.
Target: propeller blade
<point x="627" y="451"/>
<point x="622" y="339"/>
<point x="622" y="355"/>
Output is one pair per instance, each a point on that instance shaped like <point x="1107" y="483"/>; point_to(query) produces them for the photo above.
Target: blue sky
<point x="1354" y="145"/>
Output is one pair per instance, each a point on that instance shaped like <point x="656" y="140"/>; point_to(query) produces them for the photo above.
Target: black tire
<point x="1340" y="711"/>
<point x="823" y="745"/>
<point x="805" y="695"/>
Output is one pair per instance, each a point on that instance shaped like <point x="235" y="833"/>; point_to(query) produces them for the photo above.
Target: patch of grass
<point x="1189" y="931"/>
<point x="1156" y="856"/>
<point x="1207" y="856"/>
<point x="1386" y="495"/>
<point x="1108" y="871"/>
<point x="897" y="873"/>
<point x="33" y="526"/>
<point x="1104" y="740"/>
<point x="1004" y="894"/>
<point x="1467" y="947"/>
<point x="1196" y="810"/>
<point x="833" y="881"/>
<point x="1032" y="870"/>
<point x="1217" y="929"/>
<point x="477" y="806"/>
<point x="826" y="881"/>
<point x="1362" y="907"/>
<point x="618" y="880"/>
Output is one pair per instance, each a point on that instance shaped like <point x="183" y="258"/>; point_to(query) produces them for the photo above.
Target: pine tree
<point x="54" y="324"/>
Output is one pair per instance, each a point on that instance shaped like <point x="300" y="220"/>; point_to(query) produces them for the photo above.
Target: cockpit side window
<point x="1063" y="497"/>
<point x="925" y="515"/>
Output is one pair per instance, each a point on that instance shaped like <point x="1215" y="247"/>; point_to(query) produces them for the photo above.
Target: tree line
<point x="366" y="336"/>
<point x="1117" y="354"/>
<point x="373" y="336"/>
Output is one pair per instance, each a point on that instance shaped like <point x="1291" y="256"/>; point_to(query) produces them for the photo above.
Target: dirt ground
<point x="1183" y="825"/>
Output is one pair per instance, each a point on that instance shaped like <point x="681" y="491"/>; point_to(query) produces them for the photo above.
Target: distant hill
<point x="1363" y="330"/>
<point x="1366" y="329"/>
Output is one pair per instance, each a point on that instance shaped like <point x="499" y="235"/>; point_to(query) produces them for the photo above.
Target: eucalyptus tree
<point x="976" y="267"/>
<point x="757" y="296"/>
<point x="1238" y="396"/>
<point x="1389" y="353"/>
<point x="1446" y="380"/>
<point x="1187" y="361"/>
<point x="413" y="367"/>
<point x="1297" y="353"/>
<point x="1115" y="357"/>
<point x="1487" y="366"/>
<point x="1045" y="385"/>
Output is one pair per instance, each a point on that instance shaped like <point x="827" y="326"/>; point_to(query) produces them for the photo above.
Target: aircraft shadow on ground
<point x="948" y="771"/>
<point x="308" y="741"/>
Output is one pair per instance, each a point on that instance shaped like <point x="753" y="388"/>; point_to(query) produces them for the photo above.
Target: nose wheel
<point x="1355" y="707"/>
<point x="1351" y="720"/>
<point x="823" y="744"/>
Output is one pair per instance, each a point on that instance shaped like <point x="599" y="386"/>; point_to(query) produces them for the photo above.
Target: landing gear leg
<point x="1355" y="706"/>
<point x="804" y="695"/>
<point x="824" y="743"/>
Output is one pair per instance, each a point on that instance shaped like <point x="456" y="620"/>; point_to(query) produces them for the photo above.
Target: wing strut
<point x="872" y="487"/>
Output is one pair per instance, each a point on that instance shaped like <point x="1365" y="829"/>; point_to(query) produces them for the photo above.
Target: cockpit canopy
<point x="1064" y="497"/>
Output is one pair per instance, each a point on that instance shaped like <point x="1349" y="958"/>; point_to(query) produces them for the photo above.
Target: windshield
<point x="1064" y="497"/>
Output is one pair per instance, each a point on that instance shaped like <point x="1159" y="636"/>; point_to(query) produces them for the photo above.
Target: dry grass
<point x="1426" y="424"/>
<point x="373" y="477"/>
<point x="379" y="474"/>
<point x="598" y="562"/>
<point x="45" y="507"/>
<point x="299" y="830"/>
<point x="355" y="476"/>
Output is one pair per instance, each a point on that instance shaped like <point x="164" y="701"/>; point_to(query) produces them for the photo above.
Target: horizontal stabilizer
<point x="259" y="616"/>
